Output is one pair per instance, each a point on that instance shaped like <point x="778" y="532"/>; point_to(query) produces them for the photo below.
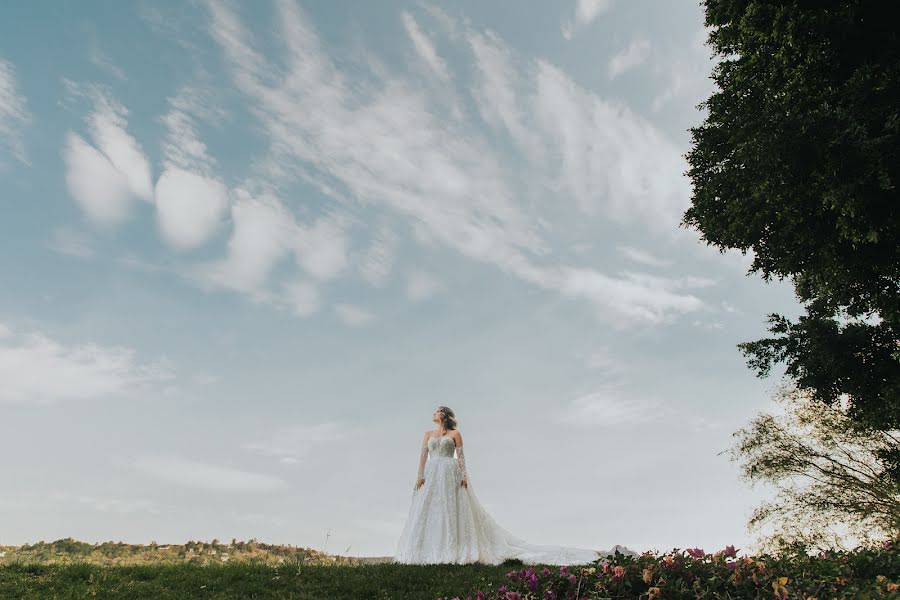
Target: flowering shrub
<point x="692" y="573"/>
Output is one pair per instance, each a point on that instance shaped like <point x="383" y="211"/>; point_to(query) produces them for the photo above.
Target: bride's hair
<point x="447" y="417"/>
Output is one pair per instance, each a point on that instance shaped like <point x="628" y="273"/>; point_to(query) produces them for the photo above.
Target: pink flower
<point x="730" y="551"/>
<point x="618" y="572"/>
<point x="696" y="552"/>
<point x="572" y="579"/>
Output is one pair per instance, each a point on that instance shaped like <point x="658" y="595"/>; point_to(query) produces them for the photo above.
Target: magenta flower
<point x="564" y="570"/>
<point x="532" y="583"/>
<point x="731" y="566"/>
<point x="479" y="595"/>
<point x="549" y="595"/>
<point x="545" y="571"/>
<point x="888" y="545"/>
<point x="502" y="588"/>
<point x="695" y="552"/>
<point x="513" y="596"/>
<point x="730" y="551"/>
<point x="572" y="579"/>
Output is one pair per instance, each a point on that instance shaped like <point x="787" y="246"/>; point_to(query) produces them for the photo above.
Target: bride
<point x="447" y="524"/>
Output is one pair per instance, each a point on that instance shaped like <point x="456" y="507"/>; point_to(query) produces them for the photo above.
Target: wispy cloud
<point x="14" y="114"/>
<point x="36" y="369"/>
<point x="294" y="443"/>
<point x="608" y="408"/>
<point x="194" y="474"/>
<point x="376" y="262"/>
<point x="424" y="47"/>
<point x="635" y="54"/>
<point x="643" y="257"/>
<point x="586" y="12"/>
<point x="381" y="142"/>
<point x="102" y="61"/>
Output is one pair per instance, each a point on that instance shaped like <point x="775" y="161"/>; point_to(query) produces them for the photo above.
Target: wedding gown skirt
<point x="447" y="524"/>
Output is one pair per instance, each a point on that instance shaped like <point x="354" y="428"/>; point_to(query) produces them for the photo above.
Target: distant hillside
<point x="194" y="552"/>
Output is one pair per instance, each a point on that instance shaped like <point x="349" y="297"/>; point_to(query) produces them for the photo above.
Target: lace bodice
<point x="442" y="446"/>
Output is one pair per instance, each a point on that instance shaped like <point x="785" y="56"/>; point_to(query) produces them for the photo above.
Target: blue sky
<point x="247" y="249"/>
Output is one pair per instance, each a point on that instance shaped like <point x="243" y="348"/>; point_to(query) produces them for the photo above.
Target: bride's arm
<point x="461" y="459"/>
<point x="423" y="455"/>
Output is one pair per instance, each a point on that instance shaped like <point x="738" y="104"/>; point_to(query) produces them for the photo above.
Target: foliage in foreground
<point x="861" y="573"/>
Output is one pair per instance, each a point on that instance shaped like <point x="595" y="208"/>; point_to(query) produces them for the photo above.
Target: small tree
<point x="831" y="484"/>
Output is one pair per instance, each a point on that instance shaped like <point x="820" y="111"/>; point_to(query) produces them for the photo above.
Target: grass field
<point x="68" y="569"/>
<point x="289" y="580"/>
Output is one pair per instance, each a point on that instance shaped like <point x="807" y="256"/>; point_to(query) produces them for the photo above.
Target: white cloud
<point x="191" y="202"/>
<point x="424" y="47"/>
<point x="102" y="61"/>
<point x="607" y="408"/>
<point x="194" y="474"/>
<point x="14" y="115"/>
<point x="375" y="265"/>
<point x="37" y="369"/>
<point x="684" y="71"/>
<point x="502" y="95"/>
<point x="321" y="249"/>
<point x="643" y="257"/>
<point x="708" y="325"/>
<point x="262" y="235"/>
<point x="96" y="185"/>
<point x="292" y="444"/>
<point x="103" y="178"/>
<point x="189" y="207"/>
<point x="632" y="296"/>
<point x="108" y="130"/>
<point x="586" y="12"/>
<point x="603" y="361"/>
<point x="632" y="56"/>
<point x="421" y="285"/>
<point x="301" y="298"/>
<point x="609" y="157"/>
<point x="353" y="315"/>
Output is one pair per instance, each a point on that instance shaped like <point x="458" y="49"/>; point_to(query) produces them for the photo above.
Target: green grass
<point x="290" y="580"/>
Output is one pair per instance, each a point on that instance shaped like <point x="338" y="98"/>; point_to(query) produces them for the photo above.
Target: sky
<point x="248" y="248"/>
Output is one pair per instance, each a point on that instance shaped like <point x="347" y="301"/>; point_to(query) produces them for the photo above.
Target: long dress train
<point x="447" y="523"/>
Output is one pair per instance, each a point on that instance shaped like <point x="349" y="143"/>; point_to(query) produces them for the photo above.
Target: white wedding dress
<point x="447" y="524"/>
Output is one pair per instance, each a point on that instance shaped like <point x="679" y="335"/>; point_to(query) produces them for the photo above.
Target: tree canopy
<point x="797" y="161"/>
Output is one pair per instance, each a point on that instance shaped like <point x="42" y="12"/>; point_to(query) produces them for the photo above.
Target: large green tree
<point x="797" y="160"/>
